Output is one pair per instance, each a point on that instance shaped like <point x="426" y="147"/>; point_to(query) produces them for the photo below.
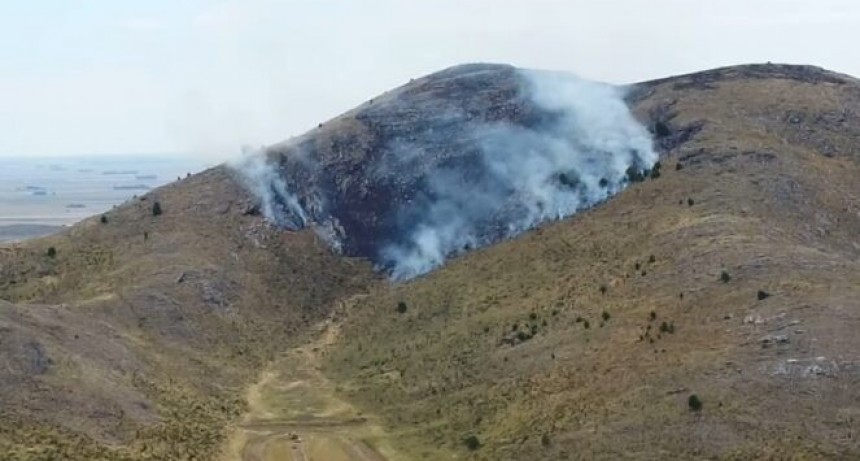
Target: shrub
<point x="653" y="315"/>
<point x="762" y="295"/>
<point x="652" y="259"/>
<point x="104" y="219"/>
<point x="634" y="174"/>
<point x="156" y="209"/>
<point x="605" y="315"/>
<point x="695" y="403"/>
<point x="52" y="252"/>
<point x="603" y="289"/>
<point x="586" y="324"/>
<point x="472" y="442"/>
<point x="655" y="172"/>
<point x="545" y="440"/>
<point x="401" y="307"/>
<point x="679" y="166"/>
<point x="690" y="202"/>
<point x="725" y="277"/>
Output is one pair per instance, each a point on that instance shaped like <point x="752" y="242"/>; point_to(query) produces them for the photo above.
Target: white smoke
<point x="262" y="179"/>
<point x="579" y="149"/>
<point x="532" y="175"/>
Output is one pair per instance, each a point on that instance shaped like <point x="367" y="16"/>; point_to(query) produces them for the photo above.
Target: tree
<point x="104" y="219"/>
<point x="52" y="252"/>
<point x="156" y="209"/>
<point x="401" y="307"/>
<point x="695" y="403"/>
<point x="725" y="277"/>
<point x="472" y="442"/>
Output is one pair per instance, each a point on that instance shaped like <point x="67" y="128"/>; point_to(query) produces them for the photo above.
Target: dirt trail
<point x="294" y="415"/>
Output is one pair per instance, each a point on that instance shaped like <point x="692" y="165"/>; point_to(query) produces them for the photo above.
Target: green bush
<point x="156" y="209"/>
<point x="52" y="252"/>
<point x="472" y="442"/>
<point x="725" y="277"/>
<point x="104" y="219"/>
<point x="695" y="403"/>
<point x="605" y="315"/>
<point x="401" y="307"/>
<point x="762" y="295"/>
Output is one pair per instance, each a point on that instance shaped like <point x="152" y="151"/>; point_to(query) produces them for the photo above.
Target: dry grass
<point x="138" y="339"/>
<point x="148" y="327"/>
<point x="769" y="208"/>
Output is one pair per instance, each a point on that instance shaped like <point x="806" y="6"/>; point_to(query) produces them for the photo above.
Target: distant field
<point x="18" y="232"/>
<point x="35" y="193"/>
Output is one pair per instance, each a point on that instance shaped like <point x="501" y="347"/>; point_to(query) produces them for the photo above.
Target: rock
<point x="770" y="340"/>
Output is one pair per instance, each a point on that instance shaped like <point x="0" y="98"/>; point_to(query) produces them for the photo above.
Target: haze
<point x="97" y="77"/>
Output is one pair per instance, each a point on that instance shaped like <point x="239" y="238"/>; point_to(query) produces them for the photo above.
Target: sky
<point x="206" y="77"/>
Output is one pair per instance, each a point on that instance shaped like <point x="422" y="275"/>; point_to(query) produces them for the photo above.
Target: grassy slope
<point x="769" y="208"/>
<point x="136" y="340"/>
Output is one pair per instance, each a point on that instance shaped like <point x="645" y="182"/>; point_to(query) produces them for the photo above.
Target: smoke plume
<point x="454" y="181"/>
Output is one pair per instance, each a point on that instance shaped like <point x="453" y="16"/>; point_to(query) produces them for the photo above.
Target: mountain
<point x="699" y="307"/>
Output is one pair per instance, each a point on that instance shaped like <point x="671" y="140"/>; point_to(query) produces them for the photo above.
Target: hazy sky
<point x="104" y="76"/>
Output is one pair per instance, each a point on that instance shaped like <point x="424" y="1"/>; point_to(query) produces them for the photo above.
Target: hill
<point x="726" y="278"/>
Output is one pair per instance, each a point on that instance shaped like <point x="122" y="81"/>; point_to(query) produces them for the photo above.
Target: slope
<point x="729" y="280"/>
<point x="133" y="338"/>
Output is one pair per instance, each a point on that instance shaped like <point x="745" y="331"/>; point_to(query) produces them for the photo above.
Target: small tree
<point x="156" y="209"/>
<point x="104" y="219"/>
<point x="725" y="277"/>
<point x="605" y="315"/>
<point x="52" y="252"/>
<point x="472" y="442"/>
<point x="401" y="307"/>
<point x="695" y="403"/>
<point x="762" y="295"/>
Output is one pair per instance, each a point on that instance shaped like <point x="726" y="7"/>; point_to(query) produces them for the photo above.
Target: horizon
<point x="205" y="77"/>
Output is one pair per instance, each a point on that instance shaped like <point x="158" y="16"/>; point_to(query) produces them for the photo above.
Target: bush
<point x="762" y="295"/>
<point x="104" y="219"/>
<point x="586" y="324"/>
<point x="652" y="259"/>
<point x="653" y="315"/>
<point x="156" y="209"/>
<point x="472" y="443"/>
<point x="605" y="315"/>
<point x="52" y="252"/>
<point x="401" y="307"/>
<point x="725" y="277"/>
<point x="545" y="440"/>
<point x="695" y="403"/>
<point x="690" y="202"/>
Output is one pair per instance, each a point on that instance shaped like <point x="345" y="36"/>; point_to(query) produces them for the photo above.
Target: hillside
<point x="730" y="273"/>
<point x="733" y="276"/>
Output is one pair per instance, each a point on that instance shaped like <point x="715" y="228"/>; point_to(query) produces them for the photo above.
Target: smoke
<point x="529" y="175"/>
<point x="456" y="181"/>
<point x="261" y="178"/>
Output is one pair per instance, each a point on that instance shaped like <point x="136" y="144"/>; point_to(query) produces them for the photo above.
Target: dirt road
<point x="294" y="415"/>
